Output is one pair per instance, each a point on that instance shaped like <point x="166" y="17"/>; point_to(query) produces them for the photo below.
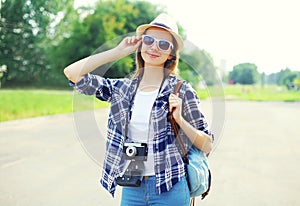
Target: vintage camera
<point x="135" y="154"/>
<point x="135" y="151"/>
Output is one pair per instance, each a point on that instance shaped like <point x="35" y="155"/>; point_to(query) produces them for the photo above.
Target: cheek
<point x="144" y="48"/>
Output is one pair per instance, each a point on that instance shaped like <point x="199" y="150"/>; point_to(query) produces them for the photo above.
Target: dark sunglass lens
<point x="164" y="45"/>
<point x="148" y="40"/>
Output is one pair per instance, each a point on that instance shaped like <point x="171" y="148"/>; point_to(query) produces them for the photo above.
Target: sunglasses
<point x="163" y="45"/>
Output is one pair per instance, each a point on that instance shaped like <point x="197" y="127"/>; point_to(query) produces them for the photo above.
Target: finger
<point x="175" y="98"/>
<point x="173" y="105"/>
<point x="133" y="39"/>
<point x="172" y="108"/>
<point x="138" y="43"/>
<point x="138" y="37"/>
<point x="128" y="40"/>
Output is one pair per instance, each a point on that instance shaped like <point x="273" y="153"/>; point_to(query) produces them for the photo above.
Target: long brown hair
<point x="170" y="65"/>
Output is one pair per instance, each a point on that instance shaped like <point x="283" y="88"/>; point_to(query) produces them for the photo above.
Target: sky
<point x="263" y="32"/>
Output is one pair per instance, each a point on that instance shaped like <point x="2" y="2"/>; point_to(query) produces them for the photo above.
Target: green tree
<point x="245" y="73"/>
<point x="40" y="38"/>
<point x="197" y="65"/>
<point x="104" y="26"/>
<point x="24" y="25"/>
<point x="286" y="76"/>
<point x="297" y="81"/>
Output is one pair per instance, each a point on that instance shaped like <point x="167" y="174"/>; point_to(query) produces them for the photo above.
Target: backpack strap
<point x="182" y="148"/>
<point x="176" y="127"/>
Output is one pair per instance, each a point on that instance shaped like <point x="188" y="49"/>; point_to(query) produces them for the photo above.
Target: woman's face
<point x="152" y="54"/>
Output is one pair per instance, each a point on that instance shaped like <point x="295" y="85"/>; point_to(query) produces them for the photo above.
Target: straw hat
<point x="165" y="22"/>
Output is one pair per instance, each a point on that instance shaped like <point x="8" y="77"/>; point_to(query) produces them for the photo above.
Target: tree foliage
<point x="40" y="38"/>
<point x="285" y="77"/>
<point x="245" y="73"/>
<point x="24" y="26"/>
<point x="197" y="66"/>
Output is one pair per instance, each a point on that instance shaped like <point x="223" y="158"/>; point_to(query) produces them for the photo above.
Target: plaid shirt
<point x="169" y="166"/>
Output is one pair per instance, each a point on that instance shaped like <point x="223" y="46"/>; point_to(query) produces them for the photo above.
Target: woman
<point x="138" y="115"/>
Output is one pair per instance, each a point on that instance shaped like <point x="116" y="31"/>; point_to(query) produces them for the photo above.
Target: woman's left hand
<point x="175" y="104"/>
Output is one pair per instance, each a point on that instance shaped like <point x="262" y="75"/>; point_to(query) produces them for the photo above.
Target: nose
<point x="154" y="45"/>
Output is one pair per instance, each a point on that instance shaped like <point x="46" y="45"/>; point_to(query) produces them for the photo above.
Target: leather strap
<point x="177" y="134"/>
<point x="176" y="127"/>
<point x="181" y="145"/>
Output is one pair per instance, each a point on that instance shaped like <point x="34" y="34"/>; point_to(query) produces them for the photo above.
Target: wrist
<point x="180" y="121"/>
<point x="117" y="53"/>
<point x="121" y="51"/>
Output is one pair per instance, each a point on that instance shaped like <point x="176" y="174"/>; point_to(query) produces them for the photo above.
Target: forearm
<point x="77" y="70"/>
<point x="199" y="138"/>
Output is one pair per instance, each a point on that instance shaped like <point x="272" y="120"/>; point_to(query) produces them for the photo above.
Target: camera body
<point x="135" y="151"/>
<point x="135" y="154"/>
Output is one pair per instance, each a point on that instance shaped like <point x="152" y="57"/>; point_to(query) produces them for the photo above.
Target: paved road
<point x="256" y="162"/>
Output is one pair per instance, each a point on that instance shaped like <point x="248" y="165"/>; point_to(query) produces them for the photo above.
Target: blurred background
<point x="248" y="49"/>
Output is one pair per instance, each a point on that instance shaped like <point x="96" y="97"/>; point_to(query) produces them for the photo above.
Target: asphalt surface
<point x="48" y="161"/>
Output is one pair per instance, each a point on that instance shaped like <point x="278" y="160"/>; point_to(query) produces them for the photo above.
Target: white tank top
<point x="138" y="127"/>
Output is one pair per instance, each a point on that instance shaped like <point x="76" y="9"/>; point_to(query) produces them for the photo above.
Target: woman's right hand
<point x="129" y="45"/>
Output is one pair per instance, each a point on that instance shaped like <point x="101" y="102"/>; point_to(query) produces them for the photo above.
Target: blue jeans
<point x="145" y="195"/>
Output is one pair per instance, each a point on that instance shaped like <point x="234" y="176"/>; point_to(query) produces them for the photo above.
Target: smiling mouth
<point x="153" y="55"/>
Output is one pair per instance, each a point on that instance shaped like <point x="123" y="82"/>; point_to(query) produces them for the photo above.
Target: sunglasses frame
<point x="157" y="42"/>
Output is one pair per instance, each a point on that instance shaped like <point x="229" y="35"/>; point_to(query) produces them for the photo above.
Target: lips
<point x="152" y="55"/>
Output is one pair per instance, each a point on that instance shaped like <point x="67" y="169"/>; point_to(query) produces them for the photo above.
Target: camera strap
<point x="130" y="105"/>
<point x="128" y="117"/>
<point x="132" y="102"/>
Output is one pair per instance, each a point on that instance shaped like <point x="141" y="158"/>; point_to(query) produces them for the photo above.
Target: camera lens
<point x="131" y="151"/>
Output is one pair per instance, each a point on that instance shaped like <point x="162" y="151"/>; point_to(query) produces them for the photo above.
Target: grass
<point x="22" y="103"/>
<point x="258" y="93"/>
<point x="251" y="93"/>
<point x="18" y="104"/>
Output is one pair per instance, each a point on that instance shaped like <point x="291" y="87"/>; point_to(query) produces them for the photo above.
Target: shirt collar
<point x="168" y="86"/>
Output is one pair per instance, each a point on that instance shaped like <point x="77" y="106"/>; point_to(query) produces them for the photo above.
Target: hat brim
<point x="141" y="29"/>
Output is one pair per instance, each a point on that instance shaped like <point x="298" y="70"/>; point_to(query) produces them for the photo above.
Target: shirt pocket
<point x="161" y="109"/>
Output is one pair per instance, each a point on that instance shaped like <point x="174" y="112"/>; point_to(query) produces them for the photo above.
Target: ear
<point x="170" y="57"/>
